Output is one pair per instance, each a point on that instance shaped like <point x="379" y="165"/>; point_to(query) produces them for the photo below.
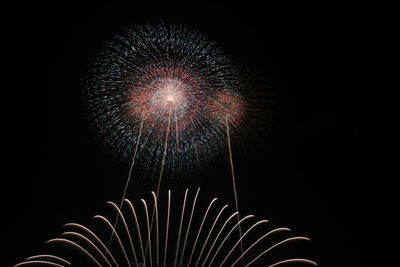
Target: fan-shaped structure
<point x="170" y="232"/>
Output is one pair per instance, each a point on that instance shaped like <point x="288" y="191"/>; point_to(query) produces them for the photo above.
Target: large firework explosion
<point x="186" y="233"/>
<point x="157" y="87"/>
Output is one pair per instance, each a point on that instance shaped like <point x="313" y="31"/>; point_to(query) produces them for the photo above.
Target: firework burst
<point x="152" y="85"/>
<point x="227" y="106"/>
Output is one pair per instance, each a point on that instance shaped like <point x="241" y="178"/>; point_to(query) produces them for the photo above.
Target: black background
<point x="332" y="66"/>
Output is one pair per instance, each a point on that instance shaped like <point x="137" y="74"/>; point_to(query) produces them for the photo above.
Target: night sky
<point x="330" y="67"/>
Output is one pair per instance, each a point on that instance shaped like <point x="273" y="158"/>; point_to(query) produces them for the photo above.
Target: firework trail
<point x="164" y="153"/>
<point x="228" y="138"/>
<point x="229" y="108"/>
<point x="188" y="234"/>
<point x="161" y="171"/>
<point x="128" y="179"/>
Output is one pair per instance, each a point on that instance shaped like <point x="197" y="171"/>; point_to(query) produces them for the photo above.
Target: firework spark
<point x="184" y="234"/>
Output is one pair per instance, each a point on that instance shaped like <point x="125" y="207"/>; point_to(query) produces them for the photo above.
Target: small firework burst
<point x="227" y="106"/>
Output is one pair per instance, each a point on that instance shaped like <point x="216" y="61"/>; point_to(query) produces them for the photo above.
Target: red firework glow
<point x="227" y="106"/>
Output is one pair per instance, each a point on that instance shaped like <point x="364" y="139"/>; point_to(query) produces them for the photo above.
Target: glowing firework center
<point x="163" y="100"/>
<point x="168" y="96"/>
